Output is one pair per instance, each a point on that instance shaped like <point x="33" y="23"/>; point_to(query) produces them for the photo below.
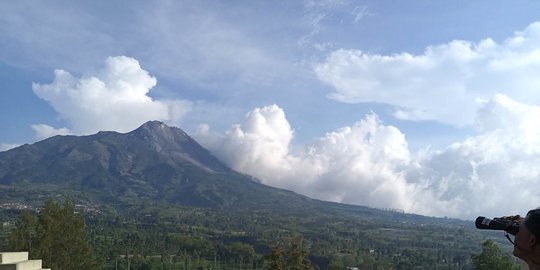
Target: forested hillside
<point x="177" y="237"/>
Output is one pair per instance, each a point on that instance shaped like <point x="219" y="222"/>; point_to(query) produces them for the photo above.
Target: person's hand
<point x="516" y="218"/>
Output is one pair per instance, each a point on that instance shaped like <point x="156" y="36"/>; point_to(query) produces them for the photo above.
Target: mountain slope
<point x="154" y="162"/>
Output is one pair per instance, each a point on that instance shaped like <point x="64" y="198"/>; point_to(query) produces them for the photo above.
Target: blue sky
<point x="426" y="106"/>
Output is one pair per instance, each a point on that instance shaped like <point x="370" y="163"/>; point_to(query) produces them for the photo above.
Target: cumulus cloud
<point x="445" y="79"/>
<point x="360" y="164"/>
<point x="115" y="98"/>
<point x="492" y="173"/>
<point x="261" y="142"/>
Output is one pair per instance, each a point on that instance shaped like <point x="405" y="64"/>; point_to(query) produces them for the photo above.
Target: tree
<point x="23" y="235"/>
<point x="492" y="258"/>
<point x="336" y="264"/>
<point x="275" y="259"/>
<point x="297" y="253"/>
<point x="292" y="254"/>
<point x="57" y="236"/>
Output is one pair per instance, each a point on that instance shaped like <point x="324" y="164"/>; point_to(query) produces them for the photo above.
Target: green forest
<point x="176" y="237"/>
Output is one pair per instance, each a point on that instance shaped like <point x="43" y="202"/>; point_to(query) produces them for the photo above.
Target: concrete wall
<point x="18" y="261"/>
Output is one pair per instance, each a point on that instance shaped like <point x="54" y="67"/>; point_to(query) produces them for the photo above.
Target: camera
<point x="509" y="226"/>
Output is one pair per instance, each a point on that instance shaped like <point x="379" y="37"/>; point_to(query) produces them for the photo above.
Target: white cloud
<point x="360" y="13"/>
<point x="492" y="173"/>
<point x="317" y="15"/>
<point x="7" y="146"/>
<point x="45" y="131"/>
<point x="262" y="141"/>
<point x="361" y="164"/>
<point x="446" y="79"/>
<point x="116" y="98"/>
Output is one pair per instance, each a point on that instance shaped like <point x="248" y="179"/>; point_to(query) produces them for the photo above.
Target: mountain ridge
<point x="152" y="162"/>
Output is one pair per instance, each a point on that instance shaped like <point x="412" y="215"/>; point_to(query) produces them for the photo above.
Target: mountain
<point x="154" y="163"/>
<point x="159" y="184"/>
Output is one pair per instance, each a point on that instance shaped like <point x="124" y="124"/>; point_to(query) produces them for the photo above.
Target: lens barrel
<point x="509" y="226"/>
